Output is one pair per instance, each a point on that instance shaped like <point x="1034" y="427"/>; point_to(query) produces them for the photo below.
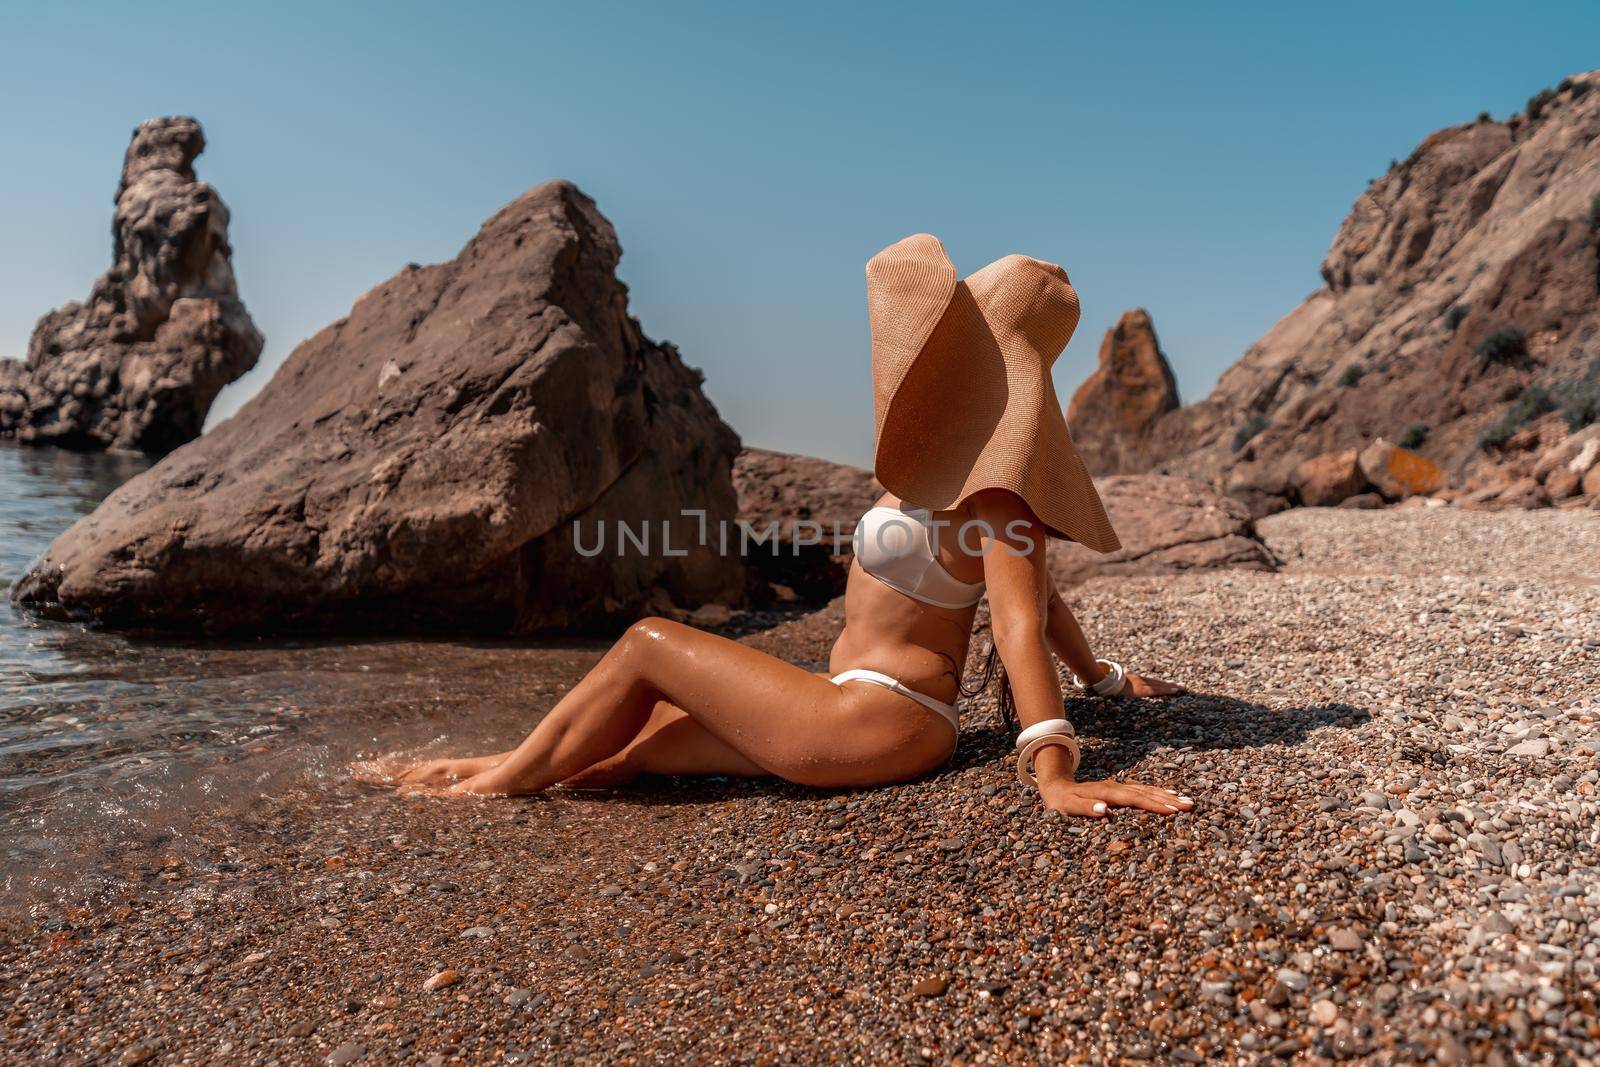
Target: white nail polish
<point x="1186" y="800"/>
<point x="1099" y="807"/>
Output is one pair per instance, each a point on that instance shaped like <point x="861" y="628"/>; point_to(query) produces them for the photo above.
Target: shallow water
<point x="108" y="741"/>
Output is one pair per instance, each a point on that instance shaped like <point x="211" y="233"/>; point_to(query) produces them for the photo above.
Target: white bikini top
<point x="895" y="546"/>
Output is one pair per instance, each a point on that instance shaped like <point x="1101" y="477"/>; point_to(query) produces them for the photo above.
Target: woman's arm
<point x="1019" y="596"/>
<point x="1067" y="640"/>
<point x="1013" y="544"/>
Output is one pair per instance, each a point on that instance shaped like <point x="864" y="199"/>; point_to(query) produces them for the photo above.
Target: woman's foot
<point x="489" y="782"/>
<point x="427" y="774"/>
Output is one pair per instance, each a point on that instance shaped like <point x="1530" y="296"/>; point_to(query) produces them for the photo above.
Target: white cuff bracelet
<point x="1025" y="757"/>
<point x="1043" y="735"/>
<point x="1109" y="686"/>
<point x="1040" y="729"/>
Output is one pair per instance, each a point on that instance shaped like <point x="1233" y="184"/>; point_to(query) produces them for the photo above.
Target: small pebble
<point x="441" y="980"/>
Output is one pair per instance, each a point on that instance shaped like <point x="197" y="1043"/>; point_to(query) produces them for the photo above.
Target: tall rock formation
<point x="420" y="465"/>
<point x="1461" y="299"/>
<point x="138" y="364"/>
<point x="1115" y="410"/>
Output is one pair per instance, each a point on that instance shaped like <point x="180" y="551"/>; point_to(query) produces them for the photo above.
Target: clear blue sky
<point x="1193" y="159"/>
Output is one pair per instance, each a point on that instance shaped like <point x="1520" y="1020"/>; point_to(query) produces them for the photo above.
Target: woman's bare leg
<point x="672" y="743"/>
<point x="781" y="718"/>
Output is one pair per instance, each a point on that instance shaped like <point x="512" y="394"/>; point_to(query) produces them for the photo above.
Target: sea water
<point x="109" y="742"/>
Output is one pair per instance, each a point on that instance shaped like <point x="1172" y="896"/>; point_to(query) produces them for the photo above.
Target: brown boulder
<point x="1324" y="480"/>
<point x="426" y="463"/>
<point x="1114" y="412"/>
<point x="1591" y="481"/>
<point x="783" y="488"/>
<point x="1576" y="452"/>
<point x="1260" y="494"/>
<point x="806" y="502"/>
<point x="1166" y="524"/>
<point x="1524" y="493"/>
<point x="1398" y="472"/>
<point x="138" y="364"/>
<point x="1562" y="483"/>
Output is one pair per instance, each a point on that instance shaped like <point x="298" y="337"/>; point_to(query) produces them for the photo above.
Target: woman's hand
<point x="1094" y="799"/>
<point x="1138" y="685"/>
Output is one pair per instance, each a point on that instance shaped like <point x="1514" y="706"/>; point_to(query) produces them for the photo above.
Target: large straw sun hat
<point x="962" y="394"/>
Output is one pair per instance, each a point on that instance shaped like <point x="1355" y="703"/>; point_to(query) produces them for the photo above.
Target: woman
<point x="981" y="471"/>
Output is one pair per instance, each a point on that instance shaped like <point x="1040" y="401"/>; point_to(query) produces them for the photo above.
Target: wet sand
<point x="1393" y="857"/>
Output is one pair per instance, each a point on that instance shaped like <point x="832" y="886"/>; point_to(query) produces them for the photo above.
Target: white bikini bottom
<point x="894" y="686"/>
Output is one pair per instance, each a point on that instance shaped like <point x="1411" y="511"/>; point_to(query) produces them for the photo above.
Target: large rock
<point x="1399" y="472"/>
<point x="421" y="464"/>
<point x="1575" y="454"/>
<point x="810" y="506"/>
<point x="1115" y="410"/>
<point x="1590" y="485"/>
<point x="1325" y="480"/>
<point x="1166" y="524"/>
<point x="1483" y="227"/>
<point x="1262" y="494"/>
<point x="138" y="364"/>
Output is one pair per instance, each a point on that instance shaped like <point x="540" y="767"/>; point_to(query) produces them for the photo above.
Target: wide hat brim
<point x="962" y="394"/>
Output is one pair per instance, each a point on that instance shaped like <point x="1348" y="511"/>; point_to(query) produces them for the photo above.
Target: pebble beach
<point x="1393" y="858"/>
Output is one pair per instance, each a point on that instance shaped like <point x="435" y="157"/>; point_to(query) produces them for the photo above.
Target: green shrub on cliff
<point x="1594" y="212"/>
<point x="1414" y="436"/>
<point x="1453" y="317"/>
<point x="1538" y="102"/>
<point x="1508" y="344"/>
<point x="1350" y="376"/>
<point x="1580" y="400"/>
<point x="1533" y="401"/>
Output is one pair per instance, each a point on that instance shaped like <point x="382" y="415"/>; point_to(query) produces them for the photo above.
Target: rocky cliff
<point x="1459" y="317"/>
<point x="420" y="465"/>
<point x="138" y="364"/>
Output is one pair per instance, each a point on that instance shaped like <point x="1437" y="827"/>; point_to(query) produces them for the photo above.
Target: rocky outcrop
<point x="805" y="502"/>
<point x="1166" y="524"/>
<point x="1380" y="473"/>
<point x="1544" y="464"/>
<point x="421" y="465"/>
<point x="1115" y="411"/>
<point x="1461" y="301"/>
<point x="138" y="364"/>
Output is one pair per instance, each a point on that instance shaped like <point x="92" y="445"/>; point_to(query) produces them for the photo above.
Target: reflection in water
<point x="106" y="740"/>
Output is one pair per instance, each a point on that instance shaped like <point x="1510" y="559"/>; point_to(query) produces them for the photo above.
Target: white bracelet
<point x="1109" y="686"/>
<point x="1025" y="757"/>
<point x="1040" y="729"/>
